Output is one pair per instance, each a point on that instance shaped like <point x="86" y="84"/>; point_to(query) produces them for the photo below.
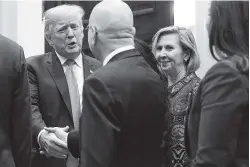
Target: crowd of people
<point x="132" y="105"/>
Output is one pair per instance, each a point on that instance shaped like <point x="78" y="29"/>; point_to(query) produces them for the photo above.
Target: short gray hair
<point x="61" y="9"/>
<point x="187" y="43"/>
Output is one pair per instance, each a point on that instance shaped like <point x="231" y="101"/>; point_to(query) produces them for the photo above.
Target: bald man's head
<point x="110" y="27"/>
<point x="112" y="16"/>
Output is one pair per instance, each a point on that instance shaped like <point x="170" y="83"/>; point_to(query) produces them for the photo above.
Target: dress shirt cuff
<point x="38" y="137"/>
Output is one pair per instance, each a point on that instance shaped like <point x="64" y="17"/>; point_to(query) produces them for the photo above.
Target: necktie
<point x="75" y="104"/>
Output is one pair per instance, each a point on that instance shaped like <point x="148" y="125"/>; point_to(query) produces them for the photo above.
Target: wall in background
<point x="30" y="29"/>
<point x="8" y="19"/>
<point x="193" y="14"/>
<point x="21" y="21"/>
<point x="201" y="35"/>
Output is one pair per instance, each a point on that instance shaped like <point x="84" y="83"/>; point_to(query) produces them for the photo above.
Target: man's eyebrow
<point x="62" y="26"/>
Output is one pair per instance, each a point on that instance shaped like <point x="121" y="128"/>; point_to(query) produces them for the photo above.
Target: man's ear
<point x="133" y="30"/>
<point x="93" y="36"/>
<point x="49" y="40"/>
<point x="82" y="30"/>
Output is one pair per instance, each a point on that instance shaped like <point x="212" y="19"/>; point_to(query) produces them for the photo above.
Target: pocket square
<point x="91" y="71"/>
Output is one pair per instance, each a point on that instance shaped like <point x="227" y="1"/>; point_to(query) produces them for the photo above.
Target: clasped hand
<point x="53" y="142"/>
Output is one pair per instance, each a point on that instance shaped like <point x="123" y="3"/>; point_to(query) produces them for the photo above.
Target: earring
<point x="51" y="43"/>
<point x="186" y="57"/>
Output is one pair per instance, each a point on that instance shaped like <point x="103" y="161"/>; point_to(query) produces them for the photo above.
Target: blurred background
<point x="21" y="21"/>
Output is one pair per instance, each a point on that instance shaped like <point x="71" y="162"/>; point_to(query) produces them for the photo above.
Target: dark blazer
<point x="218" y="130"/>
<point x="123" y="114"/>
<point x="15" y="114"/>
<point x="50" y="99"/>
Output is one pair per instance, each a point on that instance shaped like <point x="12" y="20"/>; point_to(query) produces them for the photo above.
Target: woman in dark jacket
<point x="218" y="125"/>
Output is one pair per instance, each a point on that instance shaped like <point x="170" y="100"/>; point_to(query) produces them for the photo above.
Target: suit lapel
<point x="86" y="66"/>
<point x="55" y="68"/>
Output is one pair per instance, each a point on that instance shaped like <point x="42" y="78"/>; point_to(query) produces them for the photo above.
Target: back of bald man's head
<point x="112" y="16"/>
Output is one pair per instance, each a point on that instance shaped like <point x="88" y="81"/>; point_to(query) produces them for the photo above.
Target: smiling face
<point x="169" y="53"/>
<point x="66" y="35"/>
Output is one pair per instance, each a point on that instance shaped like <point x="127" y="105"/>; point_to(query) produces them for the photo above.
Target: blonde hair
<point x="187" y="43"/>
<point x="66" y="9"/>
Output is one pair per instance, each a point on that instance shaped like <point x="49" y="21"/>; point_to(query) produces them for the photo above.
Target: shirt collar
<point x="78" y="59"/>
<point x="115" y="52"/>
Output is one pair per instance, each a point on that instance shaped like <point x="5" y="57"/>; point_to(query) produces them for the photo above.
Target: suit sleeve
<point x="21" y="116"/>
<point x="37" y="121"/>
<point x="73" y="136"/>
<point x="222" y="99"/>
<point x="95" y="64"/>
<point x="99" y="125"/>
<point x="73" y="143"/>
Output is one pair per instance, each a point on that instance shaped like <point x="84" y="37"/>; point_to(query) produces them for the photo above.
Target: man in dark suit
<point x="15" y="114"/>
<point x="56" y="81"/>
<point x="124" y="101"/>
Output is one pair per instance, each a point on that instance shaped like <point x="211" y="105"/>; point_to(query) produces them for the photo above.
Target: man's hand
<point x="52" y="145"/>
<point x="61" y="133"/>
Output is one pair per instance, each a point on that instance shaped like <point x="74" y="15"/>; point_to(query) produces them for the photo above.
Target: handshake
<point x="53" y="142"/>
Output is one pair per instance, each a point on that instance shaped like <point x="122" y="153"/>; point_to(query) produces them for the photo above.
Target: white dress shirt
<point x="115" y="52"/>
<point x="78" y="71"/>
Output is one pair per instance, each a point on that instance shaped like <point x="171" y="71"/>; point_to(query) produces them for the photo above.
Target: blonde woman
<point x="176" y="51"/>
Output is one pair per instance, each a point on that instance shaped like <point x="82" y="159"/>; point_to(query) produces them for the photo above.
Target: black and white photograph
<point x="123" y="83"/>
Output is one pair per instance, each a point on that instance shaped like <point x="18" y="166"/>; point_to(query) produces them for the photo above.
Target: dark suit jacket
<point x="218" y="122"/>
<point x="123" y="114"/>
<point x="50" y="99"/>
<point x="15" y="114"/>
